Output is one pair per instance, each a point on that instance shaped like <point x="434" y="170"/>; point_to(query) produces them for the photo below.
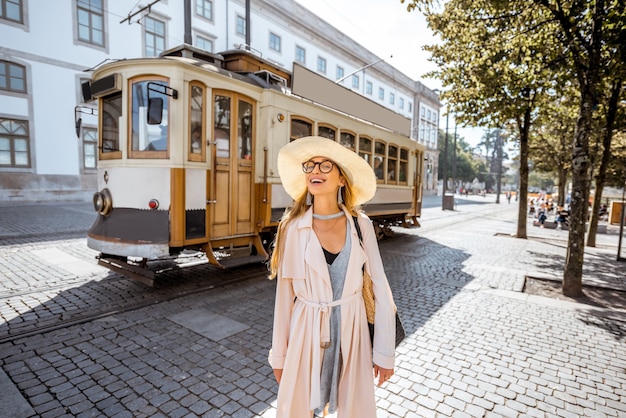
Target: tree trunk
<point x="604" y="163"/>
<point x="523" y="126"/>
<point x="573" y="272"/>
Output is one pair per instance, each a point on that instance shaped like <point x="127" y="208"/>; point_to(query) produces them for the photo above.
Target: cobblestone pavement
<point x="476" y="345"/>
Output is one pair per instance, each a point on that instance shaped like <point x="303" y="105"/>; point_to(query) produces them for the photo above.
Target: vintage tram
<point x="187" y="154"/>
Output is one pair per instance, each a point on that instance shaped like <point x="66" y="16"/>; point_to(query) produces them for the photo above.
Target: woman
<point x="321" y="351"/>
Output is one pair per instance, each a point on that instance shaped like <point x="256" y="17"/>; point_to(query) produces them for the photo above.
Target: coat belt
<point x="321" y="339"/>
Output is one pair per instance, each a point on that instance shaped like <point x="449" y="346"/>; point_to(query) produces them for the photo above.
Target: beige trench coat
<point x="301" y="322"/>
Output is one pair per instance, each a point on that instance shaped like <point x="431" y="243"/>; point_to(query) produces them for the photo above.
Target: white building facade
<point x="47" y="48"/>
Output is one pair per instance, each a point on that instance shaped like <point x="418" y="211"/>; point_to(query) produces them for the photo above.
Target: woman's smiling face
<point x="320" y="183"/>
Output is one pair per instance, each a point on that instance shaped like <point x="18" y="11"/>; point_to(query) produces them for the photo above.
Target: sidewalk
<point x="476" y="345"/>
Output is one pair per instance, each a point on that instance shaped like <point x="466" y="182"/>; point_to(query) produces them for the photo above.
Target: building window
<point x="90" y="139"/>
<point x="300" y="55"/>
<point x="274" y="42"/>
<point x="321" y="65"/>
<point x="381" y="93"/>
<point x="339" y="73"/>
<point x="155" y="36"/>
<point x="392" y="98"/>
<point x="241" y="26"/>
<point x="12" y="77"/>
<point x="369" y="88"/>
<point x="423" y="111"/>
<point x="90" y="21"/>
<point x="204" y="8"/>
<point x="14" y="143"/>
<point x="401" y="103"/>
<point x="12" y="10"/>
<point x="410" y="107"/>
<point x="204" y="43"/>
<point x="355" y="81"/>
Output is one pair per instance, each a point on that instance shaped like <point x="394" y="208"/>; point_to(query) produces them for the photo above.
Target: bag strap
<point x="358" y="229"/>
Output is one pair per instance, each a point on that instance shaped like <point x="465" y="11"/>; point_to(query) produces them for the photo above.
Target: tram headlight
<point x="153" y="204"/>
<point x="102" y="202"/>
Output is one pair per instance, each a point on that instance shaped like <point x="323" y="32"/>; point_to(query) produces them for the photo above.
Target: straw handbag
<point x="368" y="299"/>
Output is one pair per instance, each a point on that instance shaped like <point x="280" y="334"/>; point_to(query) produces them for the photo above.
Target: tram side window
<point x="379" y="160"/>
<point x="347" y="140"/>
<point x="111" y="113"/>
<point x="391" y="164"/>
<point x="326" y="132"/>
<point x="365" y="149"/>
<point x="144" y="136"/>
<point x="197" y="117"/>
<point x="221" y="126"/>
<point x="404" y="165"/>
<point x="300" y="128"/>
<point x="245" y="130"/>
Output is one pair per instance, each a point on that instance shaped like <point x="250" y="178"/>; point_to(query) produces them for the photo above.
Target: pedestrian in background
<point x="321" y="351"/>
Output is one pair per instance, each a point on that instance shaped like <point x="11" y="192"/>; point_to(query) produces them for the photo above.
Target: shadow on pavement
<point x="595" y="265"/>
<point x="44" y="222"/>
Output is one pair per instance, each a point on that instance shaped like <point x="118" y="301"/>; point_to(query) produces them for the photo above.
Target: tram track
<point x="7" y="294"/>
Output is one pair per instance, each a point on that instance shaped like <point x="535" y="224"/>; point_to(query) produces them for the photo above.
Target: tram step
<point x="241" y="260"/>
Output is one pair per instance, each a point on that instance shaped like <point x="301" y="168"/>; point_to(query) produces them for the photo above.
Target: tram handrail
<point x="264" y="174"/>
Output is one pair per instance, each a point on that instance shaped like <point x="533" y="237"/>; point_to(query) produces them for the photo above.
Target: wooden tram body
<point x="188" y="144"/>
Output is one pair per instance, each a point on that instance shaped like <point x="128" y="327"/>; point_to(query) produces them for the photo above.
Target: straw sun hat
<point x="291" y="156"/>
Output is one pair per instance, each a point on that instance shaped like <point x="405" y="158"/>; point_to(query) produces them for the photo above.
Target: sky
<point x="386" y="28"/>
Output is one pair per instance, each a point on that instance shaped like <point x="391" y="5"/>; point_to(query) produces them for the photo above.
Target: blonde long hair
<point x="297" y="209"/>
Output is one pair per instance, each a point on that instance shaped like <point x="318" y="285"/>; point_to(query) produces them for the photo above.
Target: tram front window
<point x="111" y="112"/>
<point x="145" y="136"/>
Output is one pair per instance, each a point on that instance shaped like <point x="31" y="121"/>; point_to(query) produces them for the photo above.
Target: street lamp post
<point x="621" y="226"/>
<point x="445" y="166"/>
<point x="454" y="160"/>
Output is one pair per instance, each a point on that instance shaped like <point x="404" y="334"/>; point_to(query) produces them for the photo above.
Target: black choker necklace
<point x="325" y="217"/>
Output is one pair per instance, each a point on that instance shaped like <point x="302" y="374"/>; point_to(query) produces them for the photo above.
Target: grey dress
<point x="332" y="361"/>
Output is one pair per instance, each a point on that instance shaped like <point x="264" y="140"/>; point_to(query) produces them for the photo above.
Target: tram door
<point x="232" y="208"/>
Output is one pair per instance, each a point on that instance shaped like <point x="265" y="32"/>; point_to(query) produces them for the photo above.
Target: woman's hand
<point x="278" y="373"/>
<point x="382" y="374"/>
